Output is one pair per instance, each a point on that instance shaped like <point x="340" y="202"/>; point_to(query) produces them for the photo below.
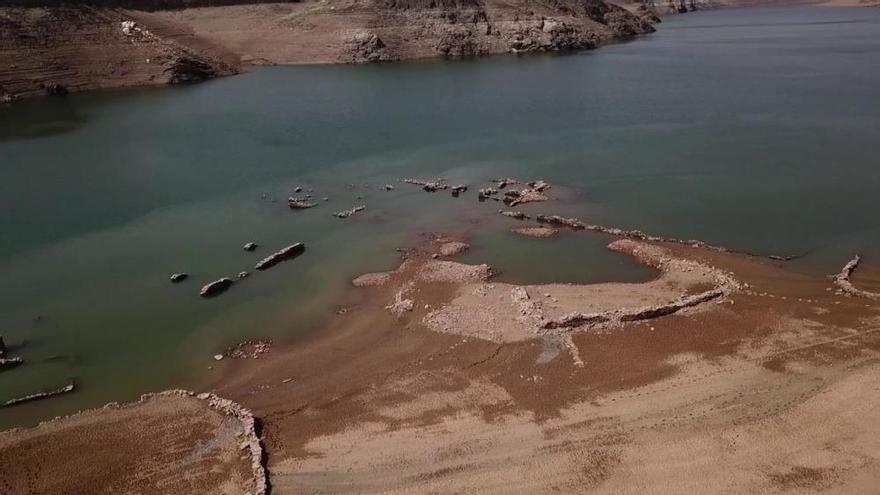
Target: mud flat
<point x="767" y="386"/>
<point x="171" y="442"/>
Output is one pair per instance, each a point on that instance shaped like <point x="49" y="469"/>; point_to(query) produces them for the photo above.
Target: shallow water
<point x="758" y="129"/>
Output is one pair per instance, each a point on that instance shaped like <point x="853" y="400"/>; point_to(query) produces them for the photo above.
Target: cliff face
<point x="56" y="50"/>
<point x="53" y="48"/>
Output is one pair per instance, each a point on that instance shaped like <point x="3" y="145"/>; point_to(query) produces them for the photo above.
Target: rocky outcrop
<point x="216" y="287"/>
<point x="39" y="395"/>
<point x="188" y="69"/>
<point x="6" y="363"/>
<point x="287" y="253"/>
<point x="66" y="48"/>
<point x="842" y="280"/>
<point x="364" y="47"/>
<point x="300" y="203"/>
<point x="348" y="213"/>
<point x="574" y="223"/>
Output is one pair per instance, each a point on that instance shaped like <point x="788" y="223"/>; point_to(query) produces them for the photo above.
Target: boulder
<point x="10" y="362"/>
<point x="348" y="213"/>
<point x="300" y="203"/>
<point x="216" y="287"/>
<point x="179" y="277"/>
<point x="287" y="253"/>
<point x="250" y="246"/>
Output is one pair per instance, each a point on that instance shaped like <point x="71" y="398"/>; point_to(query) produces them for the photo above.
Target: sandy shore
<point x="726" y="373"/>
<point x="767" y="388"/>
<point x="172" y="442"/>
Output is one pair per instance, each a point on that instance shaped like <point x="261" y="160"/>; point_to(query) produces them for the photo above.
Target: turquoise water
<point x="758" y="129"/>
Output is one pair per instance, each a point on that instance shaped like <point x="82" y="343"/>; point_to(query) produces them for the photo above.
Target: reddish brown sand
<point x="163" y="444"/>
<point x="773" y="388"/>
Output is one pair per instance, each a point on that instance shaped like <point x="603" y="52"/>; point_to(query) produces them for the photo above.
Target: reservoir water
<point x="757" y="129"/>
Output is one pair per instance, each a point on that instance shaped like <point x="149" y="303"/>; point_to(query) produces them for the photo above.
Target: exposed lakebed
<point x="755" y="129"/>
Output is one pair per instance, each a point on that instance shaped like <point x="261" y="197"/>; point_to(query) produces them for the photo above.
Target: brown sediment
<point x="168" y="442"/>
<point x="736" y="393"/>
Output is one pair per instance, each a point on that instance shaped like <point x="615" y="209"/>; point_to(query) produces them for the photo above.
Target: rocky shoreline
<point x="53" y="48"/>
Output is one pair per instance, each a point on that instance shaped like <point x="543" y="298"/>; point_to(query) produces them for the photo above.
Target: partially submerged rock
<point x="456" y="190"/>
<point x="287" y="253"/>
<point x="515" y="214"/>
<point x="216" y="287"/>
<point x="39" y="395"/>
<point x="536" y="232"/>
<point x="513" y="198"/>
<point x="179" y="277"/>
<point x="348" y="213"/>
<point x="300" y="203"/>
<point x="12" y="362"/>
<point x="453" y="248"/>
<point x="251" y="246"/>
<point x="428" y="186"/>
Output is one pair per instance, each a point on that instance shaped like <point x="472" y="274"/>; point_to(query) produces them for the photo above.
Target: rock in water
<point x="2" y="347"/>
<point x="216" y="287"/>
<point x="300" y="203"/>
<point x="10" y="362"/>
<point x="250" y="246"/>
<point x="39" y="395"/>
<point x="287" y="253"/>
<point x="179" y="277"/>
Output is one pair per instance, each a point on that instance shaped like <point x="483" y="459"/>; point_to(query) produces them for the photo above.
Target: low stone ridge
<point x="300" y="203"/>
<point x="178" y="277"/>
<point x="6" y="363"/>
<point x="536" y="232"/>
<point x="348" y="213"/>
<point x="842" y="280"/>
<point x="503" y="312"/>
<point x="39" y="395"/>
<point x="575" y="224"/>
<point x="430" y="186"/>
<point x="216" y="287"/>
<point x="287" y="253"/>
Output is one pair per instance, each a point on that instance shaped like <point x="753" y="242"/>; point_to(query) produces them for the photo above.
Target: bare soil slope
<point x="162" y="444"/>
